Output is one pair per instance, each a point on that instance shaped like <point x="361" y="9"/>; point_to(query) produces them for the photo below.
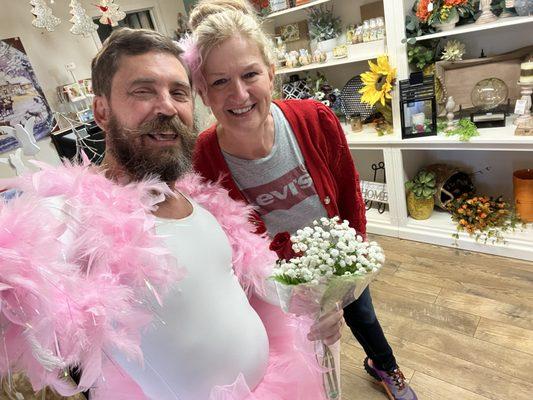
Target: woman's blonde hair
<point x="215" y="21"/>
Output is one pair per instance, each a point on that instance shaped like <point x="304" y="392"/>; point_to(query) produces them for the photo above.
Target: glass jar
<point x="356" y="123"/>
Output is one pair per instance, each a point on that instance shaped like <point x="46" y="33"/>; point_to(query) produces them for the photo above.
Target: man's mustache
<point x="162" y="124"/>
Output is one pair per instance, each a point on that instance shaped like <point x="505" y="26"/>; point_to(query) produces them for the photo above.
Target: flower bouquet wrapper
<point x="313" y="300"/>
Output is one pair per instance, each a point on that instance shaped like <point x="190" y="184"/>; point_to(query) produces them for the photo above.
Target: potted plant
<point x="324" y="27"/>
<point x="420" y="194"/>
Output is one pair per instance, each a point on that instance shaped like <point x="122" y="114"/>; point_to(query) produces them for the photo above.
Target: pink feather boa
<point x="68" y="305"/>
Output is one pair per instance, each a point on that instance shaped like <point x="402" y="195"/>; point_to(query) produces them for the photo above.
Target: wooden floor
<point x="460" y="324"/>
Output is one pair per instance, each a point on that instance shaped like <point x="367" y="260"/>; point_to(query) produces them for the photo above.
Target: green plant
<point x="465" y="129"/>
<point x="323" y="24"/>
<point x="421" y="55"/>
<point x="423" y="185"/>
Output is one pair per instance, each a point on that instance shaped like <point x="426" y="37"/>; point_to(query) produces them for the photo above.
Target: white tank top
<point x="210" y="333"/>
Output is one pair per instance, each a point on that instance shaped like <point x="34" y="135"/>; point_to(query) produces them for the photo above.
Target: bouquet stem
<point x="330" y="362"/>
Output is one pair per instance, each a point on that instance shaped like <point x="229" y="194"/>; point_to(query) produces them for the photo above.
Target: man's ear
<point x="101" y="111"/>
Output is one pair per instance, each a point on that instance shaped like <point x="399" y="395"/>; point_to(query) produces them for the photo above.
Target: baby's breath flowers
<point x="326" y="249"/>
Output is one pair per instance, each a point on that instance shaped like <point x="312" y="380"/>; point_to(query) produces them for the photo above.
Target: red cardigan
<point x="326" y="154"/>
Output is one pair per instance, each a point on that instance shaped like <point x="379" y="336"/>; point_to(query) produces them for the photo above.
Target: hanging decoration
<point x="83" y="24"/>
<point x="110" y="12"/>
<point x="44" y="17"/>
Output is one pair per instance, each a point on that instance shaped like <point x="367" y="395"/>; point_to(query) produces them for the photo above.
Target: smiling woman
<point x="289" y="159"/>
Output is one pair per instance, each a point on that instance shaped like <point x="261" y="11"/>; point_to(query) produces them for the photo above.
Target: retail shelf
<point x="362" y="52"/>
<point x="380" y="224"/>
<point x="438" y="229"/>
<point x="464" y="29"/>
<point x="295" y="9"/>
<point x="489" y="139"/>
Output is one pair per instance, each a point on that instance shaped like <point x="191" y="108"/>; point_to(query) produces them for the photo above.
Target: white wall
<point x="50" y="51"/>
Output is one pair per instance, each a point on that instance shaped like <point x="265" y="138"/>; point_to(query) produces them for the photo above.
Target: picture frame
<point x="85" y="116"/>
<point x="74" y="92"/>
<point x="290" y="32"/>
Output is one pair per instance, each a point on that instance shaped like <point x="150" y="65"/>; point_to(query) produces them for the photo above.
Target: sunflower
<point x="378" y="82"/>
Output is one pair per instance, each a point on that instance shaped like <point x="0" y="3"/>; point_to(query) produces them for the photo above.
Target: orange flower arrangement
<point x="422" y="10"/>
<point x="440" y="11"/>
<point x="483" y="217"/>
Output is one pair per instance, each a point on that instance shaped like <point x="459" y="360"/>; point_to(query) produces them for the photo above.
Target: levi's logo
<point x="282" y="193"/>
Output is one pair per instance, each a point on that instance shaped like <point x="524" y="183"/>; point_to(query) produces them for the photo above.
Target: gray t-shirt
<point x="279" y="185"/>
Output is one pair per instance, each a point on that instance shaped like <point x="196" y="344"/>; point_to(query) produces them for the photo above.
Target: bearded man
<point x="210" y="334"/>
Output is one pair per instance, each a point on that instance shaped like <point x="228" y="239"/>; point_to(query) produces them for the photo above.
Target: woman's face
<point x="239" y="85"/>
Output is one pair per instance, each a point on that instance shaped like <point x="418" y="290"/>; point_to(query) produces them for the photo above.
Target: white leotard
<point x="210" y="332"/>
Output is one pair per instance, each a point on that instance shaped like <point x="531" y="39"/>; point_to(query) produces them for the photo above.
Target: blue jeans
<point x="361" y="318"/>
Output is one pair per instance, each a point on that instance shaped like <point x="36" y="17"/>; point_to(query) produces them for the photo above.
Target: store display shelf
<point x="489" y="139"/>
<point x="438" y="229"/>
<point x="359" y="52"/>
<point x="380" y="224"/>
<point x="500" y="23"/>
<point x="295" y="9"/>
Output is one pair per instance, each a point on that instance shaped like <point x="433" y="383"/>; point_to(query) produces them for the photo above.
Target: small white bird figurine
<point x="24" y="135"/>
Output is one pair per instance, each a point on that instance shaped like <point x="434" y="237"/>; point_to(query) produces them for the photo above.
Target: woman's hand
<point x="328" y="327"/>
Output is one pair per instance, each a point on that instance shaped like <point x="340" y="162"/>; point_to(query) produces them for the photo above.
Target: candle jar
<point x="356" y="123"/>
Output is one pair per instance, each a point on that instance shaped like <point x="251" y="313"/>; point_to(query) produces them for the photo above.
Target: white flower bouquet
<point x="331" y="266"/>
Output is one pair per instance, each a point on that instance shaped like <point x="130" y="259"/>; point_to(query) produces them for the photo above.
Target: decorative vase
<point x="327" y="46"/>
<point x="523" y="194"/>
<point x="419" y="208"/>
<point x="448" y="25"/>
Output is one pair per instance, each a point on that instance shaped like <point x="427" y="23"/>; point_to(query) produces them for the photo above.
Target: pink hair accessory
<point x="193" y="58"/>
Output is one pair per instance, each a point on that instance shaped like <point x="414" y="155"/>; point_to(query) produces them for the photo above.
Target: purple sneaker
<point x="392" y="381"/>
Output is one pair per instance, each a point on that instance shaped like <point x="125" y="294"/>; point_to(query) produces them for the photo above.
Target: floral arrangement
<point x="323" y="24"/>
<point x="434" y="12"/>
<point x="378" y="84"/>
<point x="485" y="218"/>
<point x="327" y="266"/>
<point x="321" y="90"/>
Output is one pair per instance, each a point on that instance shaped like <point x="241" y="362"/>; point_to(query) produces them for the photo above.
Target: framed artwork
<point x="74" y="91"/>
<point x="21" y="96"/>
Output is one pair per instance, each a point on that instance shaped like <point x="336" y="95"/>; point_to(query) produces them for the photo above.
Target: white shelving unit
<point x="498" y="147"/>
<point x="464" y="29"/>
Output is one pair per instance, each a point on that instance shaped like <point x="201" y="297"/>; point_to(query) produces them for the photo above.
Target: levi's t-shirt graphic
<point x="279" y="185"/>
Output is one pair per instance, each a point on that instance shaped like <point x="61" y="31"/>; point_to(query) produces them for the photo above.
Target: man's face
<point x="149" y="117"/>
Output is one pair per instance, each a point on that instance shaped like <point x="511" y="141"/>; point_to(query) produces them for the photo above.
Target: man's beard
<point x="141" y="162"/>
